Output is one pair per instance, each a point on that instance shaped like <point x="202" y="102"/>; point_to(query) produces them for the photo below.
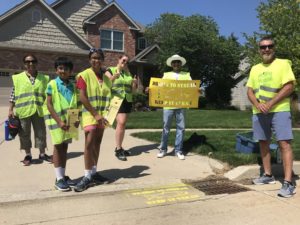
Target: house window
<point x="36" y="16"/>
<point x="142" y="44"/>
<point x="111" y="39"/>
<point x="4" y="74"/>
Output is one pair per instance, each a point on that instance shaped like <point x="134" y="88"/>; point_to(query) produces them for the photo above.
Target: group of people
<point x="36" y="100"/>
<point x="270" y="85"/>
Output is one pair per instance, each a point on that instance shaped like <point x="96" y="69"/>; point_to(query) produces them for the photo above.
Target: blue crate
<point x="246" y="144"/>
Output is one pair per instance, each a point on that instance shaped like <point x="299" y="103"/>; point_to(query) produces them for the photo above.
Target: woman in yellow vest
<point x="94" y="93"/>
<point x="61" y="96"/>
<point x="123" y="84"/>
<point x="27" y="98"/>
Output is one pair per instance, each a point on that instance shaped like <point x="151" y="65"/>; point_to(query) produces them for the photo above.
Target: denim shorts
<point x="277" y="123"/>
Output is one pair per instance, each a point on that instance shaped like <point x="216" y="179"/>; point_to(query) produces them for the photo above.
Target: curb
<point x="249" y="172"/>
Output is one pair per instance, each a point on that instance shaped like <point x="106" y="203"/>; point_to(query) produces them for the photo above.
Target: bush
<point x="140" y="102"/>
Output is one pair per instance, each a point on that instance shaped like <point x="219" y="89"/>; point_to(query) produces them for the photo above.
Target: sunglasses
<point x="264" y="47"/>
<point x="92" y="50"/>
<point x="30" y="61"/>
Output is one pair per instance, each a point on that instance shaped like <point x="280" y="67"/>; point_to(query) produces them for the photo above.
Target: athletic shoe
<point x="62" y="185"/>
<point x="264" y="180"/>
<point x="98" y="179"/>
<point x="84" y="184"/>
<point x="46" y="158"/>
<point x="161" y="153"/>
<point x="180" y="155"/>
<point x="70" y="182"/>
<point x="27" y="160"/>
<point x="287" y="190"/>
<point x="120" y="154"/>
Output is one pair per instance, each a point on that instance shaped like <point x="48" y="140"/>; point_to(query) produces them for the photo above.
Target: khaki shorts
<point x="39" y="130"/>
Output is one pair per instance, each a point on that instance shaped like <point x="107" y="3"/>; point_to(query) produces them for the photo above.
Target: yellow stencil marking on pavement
<point x="166" y="194"/>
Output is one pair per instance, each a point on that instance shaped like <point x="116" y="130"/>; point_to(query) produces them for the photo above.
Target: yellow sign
<point x="113" y="110"/>
<point x="72" y="118"/>
<point x="174" y="93"/>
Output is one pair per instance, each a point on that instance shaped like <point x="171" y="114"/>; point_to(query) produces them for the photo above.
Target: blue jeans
<point x="180" y="126"/>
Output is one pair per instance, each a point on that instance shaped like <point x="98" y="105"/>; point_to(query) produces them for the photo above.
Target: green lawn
<point x="194" y="119"/>
<point x="221" y="144"/>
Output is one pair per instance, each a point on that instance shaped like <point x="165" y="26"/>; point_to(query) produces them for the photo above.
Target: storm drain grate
<point x="214" y="185"/>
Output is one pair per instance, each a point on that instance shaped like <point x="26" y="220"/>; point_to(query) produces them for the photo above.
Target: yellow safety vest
<point x="98" y="94"/>
<point x="266" y="80"/>
<point x="29" y="98"/>
<point x="60" y="105"/>
<point x="122" y="86"/>
<point x="182" y="76"/>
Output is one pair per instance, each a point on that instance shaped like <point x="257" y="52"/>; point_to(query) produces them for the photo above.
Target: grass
<point x="221" y="144"/>
<point x="194" y="119"/>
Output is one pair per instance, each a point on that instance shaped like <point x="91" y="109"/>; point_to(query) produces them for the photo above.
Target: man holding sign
<point x="176" y="62"/>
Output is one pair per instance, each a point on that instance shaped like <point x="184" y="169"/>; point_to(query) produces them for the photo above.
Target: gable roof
<point x="142" y="56"/>
<point x="58" y="2"/>
<point x="113" y="3"/>
<point x="27" y="3"/>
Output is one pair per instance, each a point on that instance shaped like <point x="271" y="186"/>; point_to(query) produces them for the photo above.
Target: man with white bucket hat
<point x="176" y="62"/>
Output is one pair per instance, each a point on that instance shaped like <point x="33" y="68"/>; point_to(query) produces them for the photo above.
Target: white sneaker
<point x="161" y="153"/>
<point x="180" y="155"/>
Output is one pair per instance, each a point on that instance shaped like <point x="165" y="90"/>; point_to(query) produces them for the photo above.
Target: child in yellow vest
<point x="61" y="96"/>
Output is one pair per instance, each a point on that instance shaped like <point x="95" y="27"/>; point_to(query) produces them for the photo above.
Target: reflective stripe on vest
<point x="60" y="105"/>
<point x="98" y="95"/>
<point x="121" y="86"/>
<point x="29" y="98"/>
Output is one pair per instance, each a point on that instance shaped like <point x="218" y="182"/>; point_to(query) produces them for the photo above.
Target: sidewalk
<point x="145" y="190"/>
<point x="142" y="169"/>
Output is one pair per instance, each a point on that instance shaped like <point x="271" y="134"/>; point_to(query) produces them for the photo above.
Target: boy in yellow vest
<point x="61" y="96"/>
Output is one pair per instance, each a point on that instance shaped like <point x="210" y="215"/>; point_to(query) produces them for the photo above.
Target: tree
<point x="281" y="20"/>
<point x="211" y="58"/>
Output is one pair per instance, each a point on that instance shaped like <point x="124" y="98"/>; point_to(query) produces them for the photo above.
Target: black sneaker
<point x="120" y="154"/>
<point x="126" y="153"/>
<point x="62" y="185"/>
<point x="98" y="179"/>
<point x="46" y="158"/>
<point x="27" y="160"/>
<point x="84" y="184"/>
<point x="70" y="182"/>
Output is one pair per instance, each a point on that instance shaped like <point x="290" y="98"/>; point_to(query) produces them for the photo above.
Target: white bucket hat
<point x="174" y="58"/>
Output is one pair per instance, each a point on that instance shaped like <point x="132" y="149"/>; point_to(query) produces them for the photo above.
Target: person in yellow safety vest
<point x="61" y="97"/>
<point x="27" y="98"/>
<point x="270" y="86"/>
<point x="94" y="93"/>
<point x="176" y="62"/>
<point x="123" y="85"/>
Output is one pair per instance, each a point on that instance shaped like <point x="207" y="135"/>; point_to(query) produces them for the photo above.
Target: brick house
<point x="70" y="28"/>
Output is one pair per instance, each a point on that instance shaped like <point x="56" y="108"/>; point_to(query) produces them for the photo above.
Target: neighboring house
<point x="239" y="97"/>
<point x="70" y="28"/>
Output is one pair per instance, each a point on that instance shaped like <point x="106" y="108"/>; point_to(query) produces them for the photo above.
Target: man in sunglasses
<point x="27" y="98"/>
<point x="270" y="85"/>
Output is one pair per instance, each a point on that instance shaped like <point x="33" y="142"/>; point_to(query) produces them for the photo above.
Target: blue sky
<point x="232" y="16"/>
